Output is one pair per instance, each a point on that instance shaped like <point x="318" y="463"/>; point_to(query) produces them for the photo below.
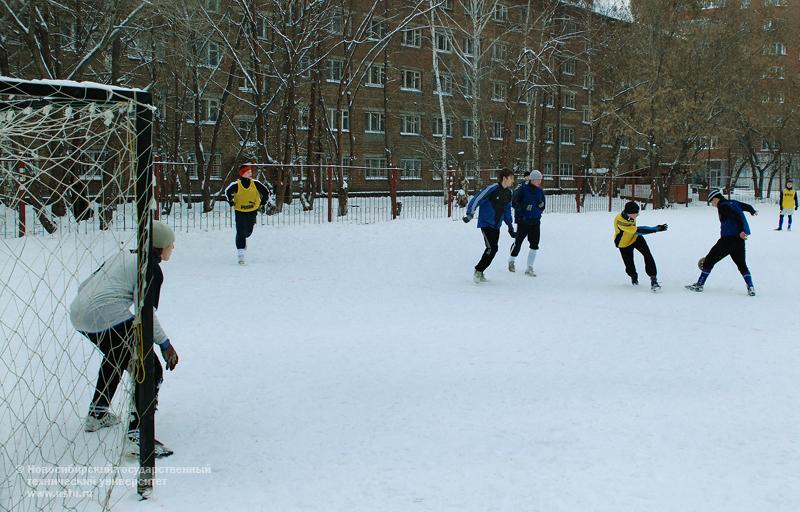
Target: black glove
<point x="662" y="227"/>
<point x="512" y="232"/>
<point x="467" y="218"/>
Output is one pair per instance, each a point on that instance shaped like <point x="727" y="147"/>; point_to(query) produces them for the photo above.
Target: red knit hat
<point x="244" y="168"/>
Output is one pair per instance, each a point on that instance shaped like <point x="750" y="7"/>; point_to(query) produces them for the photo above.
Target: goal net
<point x="74" y="184"/>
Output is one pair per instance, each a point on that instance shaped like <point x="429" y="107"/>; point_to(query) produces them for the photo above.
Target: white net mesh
<point x="67" y="204"/>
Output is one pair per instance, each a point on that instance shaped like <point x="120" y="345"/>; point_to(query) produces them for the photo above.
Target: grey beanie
<point x="163" y="235"/>
<point x="536" y="175"/>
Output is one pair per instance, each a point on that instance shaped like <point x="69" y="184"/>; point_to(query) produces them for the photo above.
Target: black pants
<point x="245" y="221"/>
<point x="117" y="345"/>
<point x="531" y="231"/>
<point x="732" y="246"/>
<point x="490" y="237"/>
<point x="627" y="256"/>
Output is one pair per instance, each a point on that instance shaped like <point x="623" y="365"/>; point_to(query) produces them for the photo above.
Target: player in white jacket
<point x="101" y="312"/>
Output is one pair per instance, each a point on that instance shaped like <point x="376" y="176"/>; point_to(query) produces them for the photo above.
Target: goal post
<point x="75" y="160"/>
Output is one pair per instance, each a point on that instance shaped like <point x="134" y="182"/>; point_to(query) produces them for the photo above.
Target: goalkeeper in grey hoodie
<point x="101" y="312"/>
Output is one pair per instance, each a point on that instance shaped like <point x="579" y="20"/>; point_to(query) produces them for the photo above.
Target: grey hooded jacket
<point x="105" y="298"/>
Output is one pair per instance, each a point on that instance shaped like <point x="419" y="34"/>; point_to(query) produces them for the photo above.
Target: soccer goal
<point x="75" y="189"/>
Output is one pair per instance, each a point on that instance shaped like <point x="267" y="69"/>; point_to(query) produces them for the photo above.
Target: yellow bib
<point x="624" y="231"/>
<point x="246" y="199"/>
<point x="788" y="199"/>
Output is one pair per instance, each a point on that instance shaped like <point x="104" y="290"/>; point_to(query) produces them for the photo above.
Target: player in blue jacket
<point x="528" y="202"/>
<point x="494" y="205"/>
<point x="734" y="230"/>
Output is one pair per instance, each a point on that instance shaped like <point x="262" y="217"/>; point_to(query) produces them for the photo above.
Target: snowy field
<point x="358" y="368"/>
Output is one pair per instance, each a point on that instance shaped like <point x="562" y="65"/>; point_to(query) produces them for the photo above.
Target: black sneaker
<point x="654" y="284"/>
<point x="132" y="446"/>
<point x="635" y="280"/>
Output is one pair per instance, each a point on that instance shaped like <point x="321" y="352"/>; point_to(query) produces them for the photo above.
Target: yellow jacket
<point x="624" y="231"/>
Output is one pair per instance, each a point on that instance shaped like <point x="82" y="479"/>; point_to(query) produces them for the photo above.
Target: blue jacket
<point x="731" y="217"/>
<point x="494" y="203"/>
<point x="529" y="203"/>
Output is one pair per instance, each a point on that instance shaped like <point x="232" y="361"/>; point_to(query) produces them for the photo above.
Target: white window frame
<point x="410" y="169"/>
<point x="437" y="127"/>
<point x="377" y="29"/>
<point x="586" y="114"/>
<point x="331" y="67"/>
<point x="566" y="135"/>
<point x="549" y="134"/>
<point x="467" y="128"/>
<point x="331" y="117"/>
<point x="375" y="167"/>
<point x="499" y="51"/>
<point x="569" y="66"/>
<point x="416" y="80"/>
<point x="497" y="130"/>
<point x="444" y="41"/>
<point x="524" y="127"/>
<point x="446" y="80"/>
<point x="570" y="98"/>
<point x="374" y="122"/>
<point x="411" y="124"/>
<point x="376" y="76"/>
<point x="499" y="91"/>
<point x="500" y="13"/>
<point x="412" y="37"/>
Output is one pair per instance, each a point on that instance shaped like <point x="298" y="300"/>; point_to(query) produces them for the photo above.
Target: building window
<point x="521" y="132"/>
<point x="212" y="54"/>
<point x="374" y="122"/>
<point x="549" y="100"/>
<point x="566" y="169"/>
<point x="588" y="81"/>
<point x="567" y="135"/>
<point x="212" y="5"/>
<point x="331" y="113"/>
<point x="585" y="149"/>
<point x="412" y="37"/>
<point x="500" y="12"/>
<point x="410" y="124"/>
<point x="375" y="168"/>
<point x="586" y="116"/>
<point x="376" y="75"/>
<point x="446" y="80"/>
<point x="569" y="100"/>
<point x="437" y="127"/>
<point x="548" y="134"/>
<point x="777" y="49"/>
<point x="209" y="111"/>
<point x="469" y="87"/>
<point x="469" y="46"/>
<point x="443" y="42"/>
<point x="497" y="130"/>
<point x="410" y="169"/>
<point x="548" y="168"/>
<point x="336" y="24"/>
<point x="302" y="118"/>
<point x="377" y="29"/>
<point x="246" y="129"/>
<point x="775" y="72"/>
<point x="468" y="128"/>
<point x="498" y="91"/>
<point x="335" y="70"/>
<point x="412" y="80"/>
<point x="499" y="51"/>
<point x="569" y="66"/>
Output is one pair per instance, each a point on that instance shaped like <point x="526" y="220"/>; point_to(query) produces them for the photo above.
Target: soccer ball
<point x="700" y="263"/>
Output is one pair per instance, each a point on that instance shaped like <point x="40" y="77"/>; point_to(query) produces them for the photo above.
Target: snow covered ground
<point x="358" y="368"/>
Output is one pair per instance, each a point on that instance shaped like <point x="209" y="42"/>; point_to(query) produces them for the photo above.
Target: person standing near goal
<point x="528" y="203"/>
<point x="246" y="195"/>
<point x="494" y="203"/>
<point x="788" y="203"/>
<point x="734" y="230"/>
<point x="101" y="312"/>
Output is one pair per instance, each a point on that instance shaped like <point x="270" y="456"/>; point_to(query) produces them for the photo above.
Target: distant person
<point x="629" y="237"/>
<point x="101" y="312"/>
<point x="494" y="205"/>
<point x="528" y="203"/>
<point x="788" y="203"/>
<point x="734" y="230"/>
<point x="245" y="195"/>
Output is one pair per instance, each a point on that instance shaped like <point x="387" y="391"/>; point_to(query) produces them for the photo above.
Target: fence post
<point x="610" y="190"/>
<point x="393" y="190"/>
<point x="330" y="193"/>
<point x="450" y="184"/>
<point x="158" y="168"/>
<point x="22" y="179"/>
<point x="578" y="188"/>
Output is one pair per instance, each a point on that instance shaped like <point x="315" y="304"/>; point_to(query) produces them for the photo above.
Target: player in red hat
<point x="246" y="195"/>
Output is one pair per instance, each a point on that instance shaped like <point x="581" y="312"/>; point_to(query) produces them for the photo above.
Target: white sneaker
<point x="529" y="272"/>
<point x="477" y="277"/>
<point x="132" y="446"/>
<point x="241" y="260"/>
<point x="94" y="423"/>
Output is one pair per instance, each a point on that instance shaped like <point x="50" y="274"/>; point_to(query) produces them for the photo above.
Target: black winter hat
<point x="631" y="207"/>
<point x="715" y="193"/>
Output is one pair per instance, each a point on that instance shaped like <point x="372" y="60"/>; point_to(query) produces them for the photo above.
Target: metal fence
<point x="372" y="195"/>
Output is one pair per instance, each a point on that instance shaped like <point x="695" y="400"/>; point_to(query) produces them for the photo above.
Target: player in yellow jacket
<point x="628" y="236"/>
<point x="788" y="204"/>
<point x="246" y="195"/>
